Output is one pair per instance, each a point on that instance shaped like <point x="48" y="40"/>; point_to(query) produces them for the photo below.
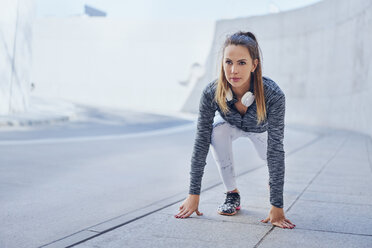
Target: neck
<point x="240" y="91"/>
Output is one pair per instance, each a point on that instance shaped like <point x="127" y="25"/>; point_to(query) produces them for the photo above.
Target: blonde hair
<point x="248" y="40"/>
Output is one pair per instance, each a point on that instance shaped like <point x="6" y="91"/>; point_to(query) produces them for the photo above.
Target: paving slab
<point x="163" y="230"/>
<point x="336" y="197"/>
<point x="313" y="239"/>
<point x="333" y="217"/>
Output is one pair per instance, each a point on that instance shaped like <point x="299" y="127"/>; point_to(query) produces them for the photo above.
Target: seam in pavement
<point x="134" y="219"/>
<point x="369" y="151"/>
<point x="221" y="220"/>
<point x="299" y="228"/>
<point x="305" y="145"/>
<point x="328" y="192"/>
<point x="303" y="191"/>
<point x="136" y="210"/>
<point x="262" y="239"/>
<point x="167" y="205"/>
<point x="343" y="203"/>
<point x="287" y="154"/>
<point x="318" y="173"/>
<point x="107" y="230"/>
<point x="326" y="231"/>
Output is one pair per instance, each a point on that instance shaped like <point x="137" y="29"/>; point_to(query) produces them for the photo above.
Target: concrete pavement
<point x="327" y="195"/>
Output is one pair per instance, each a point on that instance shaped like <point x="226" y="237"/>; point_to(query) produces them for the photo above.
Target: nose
<point x="233" y="69"/>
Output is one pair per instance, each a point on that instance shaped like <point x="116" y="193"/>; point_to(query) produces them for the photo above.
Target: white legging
<point x="223" y="135"/>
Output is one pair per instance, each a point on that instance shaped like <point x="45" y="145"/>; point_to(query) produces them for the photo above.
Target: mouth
<point x="235" y="79"/>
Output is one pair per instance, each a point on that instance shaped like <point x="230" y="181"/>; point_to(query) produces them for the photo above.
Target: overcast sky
<point x="170" y="9"/>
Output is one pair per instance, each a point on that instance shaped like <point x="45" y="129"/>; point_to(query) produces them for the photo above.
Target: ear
<point x="255" y="63"/>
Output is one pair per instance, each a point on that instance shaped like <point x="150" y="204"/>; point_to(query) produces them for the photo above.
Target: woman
<point x="247" y="105"/>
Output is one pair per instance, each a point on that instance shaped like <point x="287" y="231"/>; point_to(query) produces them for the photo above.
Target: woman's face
<point x="238" y="65"/>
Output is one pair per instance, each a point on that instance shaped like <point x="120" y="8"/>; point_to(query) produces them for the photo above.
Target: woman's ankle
<point x="234" y="191"/>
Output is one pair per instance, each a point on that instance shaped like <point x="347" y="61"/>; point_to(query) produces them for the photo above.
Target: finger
<point x="176" y="215"/>
<point x="181" y="207"/>
<point x="265" y="220"/>
<point x="290" y="222"/>
<point x="278" y="224"/>
<point x="184" y="213"/>
<point x="290" y="225"/>
<point x="187" y="214"/>
<point x="286" y="225"/>
<point x="181" y="213"/>
<point x="198" y="213"/>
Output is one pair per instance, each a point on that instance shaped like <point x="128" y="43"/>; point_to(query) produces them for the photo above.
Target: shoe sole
<point x="221" y="213"/>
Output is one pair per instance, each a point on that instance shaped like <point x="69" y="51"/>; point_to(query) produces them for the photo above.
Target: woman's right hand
<point x="189" y="206"/>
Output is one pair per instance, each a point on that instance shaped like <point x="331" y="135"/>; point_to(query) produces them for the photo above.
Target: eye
<point x="228" y="62"/>
<point x="242" y="63"/>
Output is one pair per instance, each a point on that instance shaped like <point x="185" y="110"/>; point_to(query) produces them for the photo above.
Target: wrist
<point x="274" y="207"/>
<point x="193" y="195"/>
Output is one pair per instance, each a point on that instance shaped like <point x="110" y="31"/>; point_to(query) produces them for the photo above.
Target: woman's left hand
<point x="277" y="218"/>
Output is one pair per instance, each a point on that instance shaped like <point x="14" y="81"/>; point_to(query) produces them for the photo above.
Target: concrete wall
<point x="15" y="54"/>
<point x="319" y="55"/>
<point x="117" y="62"/>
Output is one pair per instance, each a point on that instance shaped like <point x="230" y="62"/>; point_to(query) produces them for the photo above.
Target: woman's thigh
<point x="223" y="128"/>
<point x="259" y="140"/>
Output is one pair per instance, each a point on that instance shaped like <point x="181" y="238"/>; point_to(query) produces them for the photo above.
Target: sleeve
<point x="202" y="141"/>
<point x="275" y="151"/>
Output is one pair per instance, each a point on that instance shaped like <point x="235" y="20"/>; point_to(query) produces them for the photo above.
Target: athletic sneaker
<point x="231" y="204"/>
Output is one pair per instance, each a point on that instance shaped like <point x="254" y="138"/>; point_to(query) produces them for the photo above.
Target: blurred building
<point x="15" y="54"/>
<point x="90" y="11"/>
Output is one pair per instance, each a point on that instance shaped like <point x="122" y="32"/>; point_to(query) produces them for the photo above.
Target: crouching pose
<point x="247" y="105"/>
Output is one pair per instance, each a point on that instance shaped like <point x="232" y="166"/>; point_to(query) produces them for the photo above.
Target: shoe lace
<point x="231" y="198"/>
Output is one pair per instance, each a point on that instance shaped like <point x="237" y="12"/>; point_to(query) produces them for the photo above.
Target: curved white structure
<point x="320" y="56"/>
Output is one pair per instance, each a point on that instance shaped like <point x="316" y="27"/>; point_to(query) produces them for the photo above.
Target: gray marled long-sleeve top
<point x="274" y="125"/>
